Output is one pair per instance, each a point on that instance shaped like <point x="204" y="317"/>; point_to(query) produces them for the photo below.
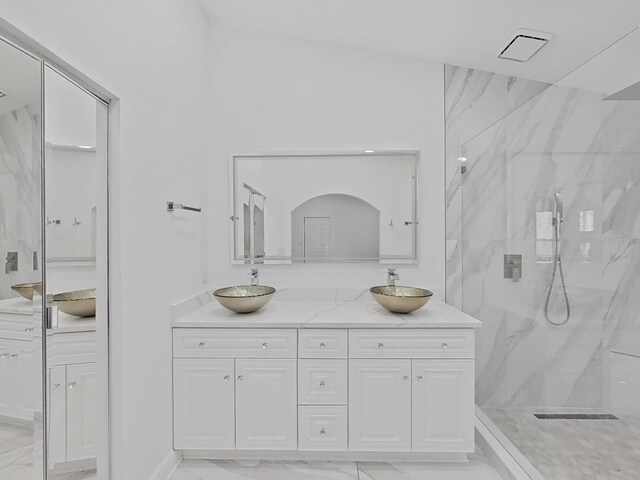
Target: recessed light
<point x="369" y="151"/>
<point x="85" y="146"/>
<point x="462" y="159"/>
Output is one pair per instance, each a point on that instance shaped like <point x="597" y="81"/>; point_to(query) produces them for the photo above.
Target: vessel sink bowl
<point x="27" y="290"/>
<point x="401" y="299"/>
<point x="81" y="303"/>
<point x="244" y="298"/>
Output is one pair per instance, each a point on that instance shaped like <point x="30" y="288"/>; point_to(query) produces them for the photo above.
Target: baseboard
<point x="298" y="455"/>
<point x="168" y="466"/>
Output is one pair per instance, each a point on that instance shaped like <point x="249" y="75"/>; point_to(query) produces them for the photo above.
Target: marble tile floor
<point x="573" y="449"/>
<point x="19" y="457"/>
<point x="478" y="468"/>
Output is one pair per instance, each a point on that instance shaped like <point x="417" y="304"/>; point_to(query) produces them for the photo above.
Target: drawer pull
<point x="201" y="344"/>
<point x="70" y="385"/>
<point x="323" y="431"/>
<point x="227" y="378"/>
<point x="55" y="386"/>
<point x="240" y="377"/>
<point x="322" y="345"/>
<point x="380" y="345"/>
<point x="28" y="329"/>
<point x="444" y="345"/>
<point x="4" y="355"/>
<point x="13" y="355"/>
<point x="405" y="378"/>
<point x="322" y="384"/>
<point x="264" y="345"/>
<point x="419" y="377"/>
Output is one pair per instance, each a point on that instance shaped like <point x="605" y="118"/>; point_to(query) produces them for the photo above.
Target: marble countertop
<point x="66" y="323"/>
<point x="327" y="311"/>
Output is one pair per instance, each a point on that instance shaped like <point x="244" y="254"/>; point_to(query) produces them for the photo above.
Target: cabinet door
<point x="203" y="402"/>
<point x="82" y="421"/>
<point x="266" y="405"/>
<point x="7" y="380"/>
<point x="443" y="405"/>
<point x="57" y="415"/>
<point x="380" y="405"/>
<point x="26" y="382"/>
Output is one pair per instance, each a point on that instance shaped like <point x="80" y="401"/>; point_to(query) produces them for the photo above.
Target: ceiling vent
<point x="524" y="44"/>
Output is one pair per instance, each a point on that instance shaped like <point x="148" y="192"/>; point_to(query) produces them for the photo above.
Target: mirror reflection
<point x="21" y="452"/>
<point x="333" y="207"/>
<point x="75" y="221"/>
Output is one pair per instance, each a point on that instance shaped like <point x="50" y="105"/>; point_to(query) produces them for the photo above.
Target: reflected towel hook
<point x="173" y="206"/>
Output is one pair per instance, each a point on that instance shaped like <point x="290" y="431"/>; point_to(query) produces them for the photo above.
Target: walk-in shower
<point x="558" y="219"/>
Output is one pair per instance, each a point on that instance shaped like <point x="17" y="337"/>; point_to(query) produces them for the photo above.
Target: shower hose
<point x="557" y="266"/>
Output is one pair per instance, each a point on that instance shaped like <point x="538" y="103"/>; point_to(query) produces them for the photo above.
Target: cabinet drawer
<point x="322" y="382"/>
<point x="414" y="343"/>
<point x="322" y="343"/>
<point x="322" y="428"/>
<point x="234" y="343"/>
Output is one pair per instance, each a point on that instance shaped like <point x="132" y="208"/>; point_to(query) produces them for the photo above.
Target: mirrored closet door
<point x="53" y="282"/>
<point x="21" y="327"/>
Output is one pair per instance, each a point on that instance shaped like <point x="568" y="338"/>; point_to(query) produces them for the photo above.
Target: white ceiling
<point x="461" y="32"/>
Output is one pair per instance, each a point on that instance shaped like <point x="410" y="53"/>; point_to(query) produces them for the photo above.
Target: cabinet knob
<point x="13" y="355"/>
<point x="322" y="384"/>
<point x="4" y="355"/>
<point x="28" y="329"/>
<point x="322" y="345"/>
<point x="264" y="345"/>
<point x="419" y="377"/>
<point x="240" y="377"/>
<point x="201" y="344"/>
<point x="70" y="385"/>
<point x="55" y="386"/>
<point x="405" y="378"/>
<point x="380" y="345"/>
<point x="323" y="431"/>
<point x="227" y="378"/>
<point x="444" y="345"/>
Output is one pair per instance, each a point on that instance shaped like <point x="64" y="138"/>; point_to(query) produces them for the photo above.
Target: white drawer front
<point x="322" y="428"/>
<point x="322" y="343"/>
<point x="414" y="343"/>
<point x="322" y="382"/>
<point x="234" y="343"/>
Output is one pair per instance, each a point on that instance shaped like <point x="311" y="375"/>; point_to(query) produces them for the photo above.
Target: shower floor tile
<point x="598" y="449"/>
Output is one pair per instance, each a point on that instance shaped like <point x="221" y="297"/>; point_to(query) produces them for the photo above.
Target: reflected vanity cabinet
<point x="354" y="391"/>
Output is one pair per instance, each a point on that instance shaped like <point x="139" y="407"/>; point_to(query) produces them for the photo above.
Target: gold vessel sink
<point x="27" y="290"/>
<point x="244" y="298"/>
<point x="81" y="303"/>
<point x="400" y="299"/>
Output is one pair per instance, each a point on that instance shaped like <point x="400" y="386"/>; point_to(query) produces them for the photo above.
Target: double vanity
<point x="323" y="374"/>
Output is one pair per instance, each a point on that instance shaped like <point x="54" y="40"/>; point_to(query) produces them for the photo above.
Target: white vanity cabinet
<point x="350" y="392"/>
<point x="18" y="378"/>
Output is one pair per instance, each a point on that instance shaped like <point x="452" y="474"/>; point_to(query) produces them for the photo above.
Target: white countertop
<point x="361" y="311"/>
<point x="66" y="323"/>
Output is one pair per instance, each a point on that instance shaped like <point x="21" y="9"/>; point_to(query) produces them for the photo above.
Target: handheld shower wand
<point x="558" y="218"/>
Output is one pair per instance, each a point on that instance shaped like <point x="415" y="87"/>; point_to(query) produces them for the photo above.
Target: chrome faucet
<point x="392" y="276"/>
<point x="253" y="275"/>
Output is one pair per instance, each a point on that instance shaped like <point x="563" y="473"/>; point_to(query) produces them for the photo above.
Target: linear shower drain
<point x="575" y="416"/>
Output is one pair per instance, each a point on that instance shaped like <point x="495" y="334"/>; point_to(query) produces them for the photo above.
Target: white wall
<point x="151" y="54"/>
<point x="276" y="94"/>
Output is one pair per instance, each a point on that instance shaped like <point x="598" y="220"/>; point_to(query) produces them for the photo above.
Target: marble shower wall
<point x="551" y="139"/>
<point x="19" y="194"/>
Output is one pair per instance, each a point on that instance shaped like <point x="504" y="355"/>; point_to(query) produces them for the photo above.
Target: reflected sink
<point x="401" y="299"/>
<point x="81" y="303"/>
<point x="27" y="290"/>
<point x="244" y="298"/>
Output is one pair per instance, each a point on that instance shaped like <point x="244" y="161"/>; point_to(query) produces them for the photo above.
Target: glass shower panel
<point x="21" y="384"/>
<point x="556" y="180"/>
<point x="75" y="179"/>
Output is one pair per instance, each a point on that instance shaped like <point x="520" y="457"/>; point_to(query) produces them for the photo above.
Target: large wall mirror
<point x="325" y="207"/>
